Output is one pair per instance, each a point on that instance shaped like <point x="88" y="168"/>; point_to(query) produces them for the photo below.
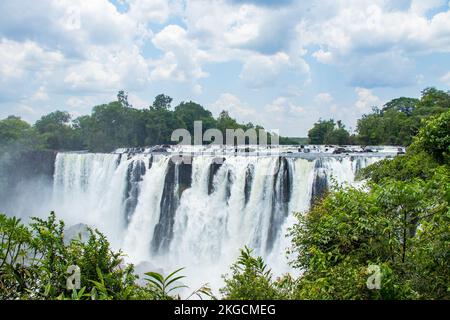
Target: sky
<point x="284" y="64"/>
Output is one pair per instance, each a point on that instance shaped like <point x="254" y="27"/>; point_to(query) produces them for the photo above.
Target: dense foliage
<point x="329" y="132"/>
<point x="118" y="124"/>
<point x="399" y="224"/>
<point x="114" y="125"/>
<point x="35" y="260"/>
<point x="400" y="119"/>
<point x="396" y="123"/>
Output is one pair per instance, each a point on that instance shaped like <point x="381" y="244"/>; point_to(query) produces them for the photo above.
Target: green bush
<point x="34" y="262"/>
<point x="251" y="280"/>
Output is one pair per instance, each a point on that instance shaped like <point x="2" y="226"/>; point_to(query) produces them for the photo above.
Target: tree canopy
<point x="329" y="132"/>
<point x="400" y="119"/>
<point x="118" y="124"/>
<point x="115" y="125"/>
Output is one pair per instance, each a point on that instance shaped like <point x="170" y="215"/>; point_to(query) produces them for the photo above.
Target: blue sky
<point x="283" y="64"/>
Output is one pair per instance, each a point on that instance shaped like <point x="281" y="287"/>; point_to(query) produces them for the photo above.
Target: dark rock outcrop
<point x="135" y="174"/>
<point x="213" y="168"/>
<point x="320" y="183"/>
<point x="248" y="181"/>
<point x="282" y="185"/>
<point x="178" y="179"/>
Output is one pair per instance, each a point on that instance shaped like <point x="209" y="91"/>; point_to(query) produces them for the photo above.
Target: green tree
<point x="250" y="280"/>
<point x="188" y="112"/>
<point x="122" y="97"/>
<point x="404" y="105"/>
<point x="18" y="133"/>
<point x="320" y="130"/>
<point x="400" y="119"/>
<point x="225" y="121"/>
<point x="329" y="132"/>
<point x="162" y="102"/>
<point x="434" y="138"/>
<point x="57" y="131"/>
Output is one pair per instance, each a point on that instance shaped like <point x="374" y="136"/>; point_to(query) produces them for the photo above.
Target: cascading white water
<point x="140" y="230"/>
<point x="88" y="189"/>
<point x="196" y="215"/>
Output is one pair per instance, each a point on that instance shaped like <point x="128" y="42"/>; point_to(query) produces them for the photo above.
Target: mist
<point x="26" y="182"/>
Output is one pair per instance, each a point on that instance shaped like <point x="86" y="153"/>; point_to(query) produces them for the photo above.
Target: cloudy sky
<point x="283" y="64"/>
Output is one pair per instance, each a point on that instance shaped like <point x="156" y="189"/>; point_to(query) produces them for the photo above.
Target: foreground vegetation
<point x="400" y="224"/>
<point x="35" y="261"/>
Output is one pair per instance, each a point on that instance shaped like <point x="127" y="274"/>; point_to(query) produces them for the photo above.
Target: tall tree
<point x="188" y="112"/>
<point x="57" y="131"/>
<point x="162" y="102"/>
<point x="122" y="97"/>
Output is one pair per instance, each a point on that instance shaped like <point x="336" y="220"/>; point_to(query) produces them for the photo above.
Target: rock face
<point x="178" y="179"/>
<point x="280" y="199"/>
<point x="135" y="174"/>
<point x="320" y="183"/>
<point x="341" y="150"/>
<point x="213" y="168"/>
<point x="248" y="181"/>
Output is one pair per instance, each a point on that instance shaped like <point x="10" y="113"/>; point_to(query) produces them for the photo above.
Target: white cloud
<point x="284" y="107"/>
<point x="40" y="95"/>
<point x="277" y="106"/>
<point x="262" y="70"/>
<point x="137" y="102"/>
<point x="19" y="59"/>
<point x="154" y="11"/>
<point x="445" y="79"/>
<point x="323" y="98"/>
<point x="222" y="24"/>
<point x="422" y="7"/>
<point x="362" y="36"/>
<point x="366" y="99"/>
<point x="182" y="60"/>
<point x="233" y="105"/>
<point x="84" y="75"/>
<point x="86" y="47"/>
<point x="325" y="57"/>
<point x="376" y="27"/>
<point x="75" y="102"/>
<point x="257" y="36"/>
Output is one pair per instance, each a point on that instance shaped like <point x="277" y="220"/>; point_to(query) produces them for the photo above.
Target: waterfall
<point x="196" y="211"/>
<point x="89" y="188"/>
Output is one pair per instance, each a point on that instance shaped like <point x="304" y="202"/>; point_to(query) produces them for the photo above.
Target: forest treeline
<point x="396" y="123"/>
<point x="118" y="124"/>
<point x="396" y="229"/>
<point x="115" y="125"/>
